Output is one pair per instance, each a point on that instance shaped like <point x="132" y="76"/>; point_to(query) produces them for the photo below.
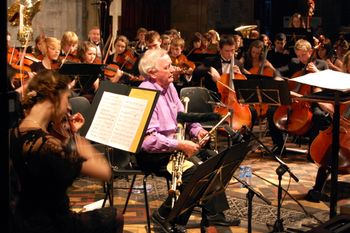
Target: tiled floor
<point x="264" y="181"/>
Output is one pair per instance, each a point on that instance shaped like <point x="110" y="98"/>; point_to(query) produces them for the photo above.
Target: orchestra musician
<point x="94" y="36"/>
<point x="123" y="58"/>
<point x="213" y="67"/>
<point x="279" y="56"/>
<point x="166" y="41"/>
<point x="185" y="67"/>
<point x="139" y="46"/>
<point x="50" y="60"/>
<point x="69" y="46"/>
<point x="39" y="48"/>
<point x="304" y="63"/>
<point x="87" y="53"/>
<point x="160" y="141"/>
<point x="45" y="166"/>
<point x="315" y="194"/>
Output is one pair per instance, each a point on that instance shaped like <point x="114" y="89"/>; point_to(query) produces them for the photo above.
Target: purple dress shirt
<point x="161" y="130"/>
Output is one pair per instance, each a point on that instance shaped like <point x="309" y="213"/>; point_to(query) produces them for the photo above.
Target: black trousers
<point x="156" y="163"/>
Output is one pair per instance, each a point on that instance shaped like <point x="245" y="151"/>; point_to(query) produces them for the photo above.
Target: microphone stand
<point x="250" y="195"/>
<point x="282" y="168"/>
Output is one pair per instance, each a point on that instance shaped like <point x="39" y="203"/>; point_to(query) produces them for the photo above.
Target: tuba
<point x="21" y="13"/>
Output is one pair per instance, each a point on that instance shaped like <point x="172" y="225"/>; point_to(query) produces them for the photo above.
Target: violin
<point x="186" y="66"/>
<point x="111" y="70"/>
<point x="65" y="130"/>
<point x="125" y="60"/>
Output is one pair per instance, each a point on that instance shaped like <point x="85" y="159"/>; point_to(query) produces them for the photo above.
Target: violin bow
<point x="111" y="41"/>
<point x="21" y="64"/>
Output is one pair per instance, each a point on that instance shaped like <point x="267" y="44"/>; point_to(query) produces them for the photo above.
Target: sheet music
<point x="327" y="79"/>
<point x="117" y="120"/>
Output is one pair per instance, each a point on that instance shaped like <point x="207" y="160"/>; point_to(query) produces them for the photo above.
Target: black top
<point x="45" y="170"/>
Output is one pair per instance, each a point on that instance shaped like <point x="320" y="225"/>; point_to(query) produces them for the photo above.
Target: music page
<point x="116" y="121"/>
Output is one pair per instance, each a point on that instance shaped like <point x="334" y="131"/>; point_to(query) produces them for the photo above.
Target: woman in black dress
<point x="46" y="164"/>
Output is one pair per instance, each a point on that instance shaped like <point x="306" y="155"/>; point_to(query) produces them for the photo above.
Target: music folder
<point x="119" y="116"/>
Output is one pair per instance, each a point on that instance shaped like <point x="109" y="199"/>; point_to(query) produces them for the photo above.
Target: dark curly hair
<point x="46" y="85"/>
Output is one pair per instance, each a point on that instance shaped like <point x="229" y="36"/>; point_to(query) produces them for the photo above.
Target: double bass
<point x="241" y="113"/>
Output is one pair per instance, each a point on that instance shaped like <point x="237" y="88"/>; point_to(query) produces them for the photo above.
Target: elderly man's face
<point x="164" y="71"/>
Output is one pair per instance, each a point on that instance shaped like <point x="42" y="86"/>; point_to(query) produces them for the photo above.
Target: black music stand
<point x="210" y="179"/>
<point x="260" y="89"/>
<point x="87" y="73"/>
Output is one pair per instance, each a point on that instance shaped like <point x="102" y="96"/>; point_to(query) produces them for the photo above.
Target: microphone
<point x="197" y="117"/>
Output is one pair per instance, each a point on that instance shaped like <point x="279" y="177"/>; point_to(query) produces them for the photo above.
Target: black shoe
<point x="219" y="220"/>
<point x="166" y="226"/>
<point x="316" y="196"/>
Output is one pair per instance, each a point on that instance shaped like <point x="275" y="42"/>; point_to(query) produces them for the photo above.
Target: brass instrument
<point x="246" y="30"/>
<point x="177" y="160"/>
<point x="21" y="13"/>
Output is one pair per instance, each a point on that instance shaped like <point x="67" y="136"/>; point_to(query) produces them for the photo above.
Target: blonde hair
<point x="52" y="42"/>
<point x="68" y="38"/>
<point x="178" y="42"/>
<point x="302" y="45"/>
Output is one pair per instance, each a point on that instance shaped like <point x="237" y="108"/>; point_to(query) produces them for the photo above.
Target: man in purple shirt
<point x="160" y="141"/>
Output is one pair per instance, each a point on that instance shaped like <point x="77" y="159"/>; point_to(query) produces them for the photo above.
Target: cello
<point x="320" y="149"/>
<point x="296" y="117"/>
<point x="241" y="113"/>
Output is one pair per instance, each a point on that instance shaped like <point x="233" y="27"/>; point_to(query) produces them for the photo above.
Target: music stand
<point x="210" y="179"/>
<point x="87" y="73"/>
<point x="259" y="89"/>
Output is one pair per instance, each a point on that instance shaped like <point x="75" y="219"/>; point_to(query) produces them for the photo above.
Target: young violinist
<point x="123" y="59"/>
<point x="50" y="60"/>
<point x="40" y="47"/>
<point x="69" y="46"/>
<point x="315" y="194"/>
<point x="305" y="62"/>
<point x="87" y="53"/>
<point x="166" y="41"/>
<point x="183" y="74"/>
<point x="46" y="166"/>
<point x="195" y="44"/>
